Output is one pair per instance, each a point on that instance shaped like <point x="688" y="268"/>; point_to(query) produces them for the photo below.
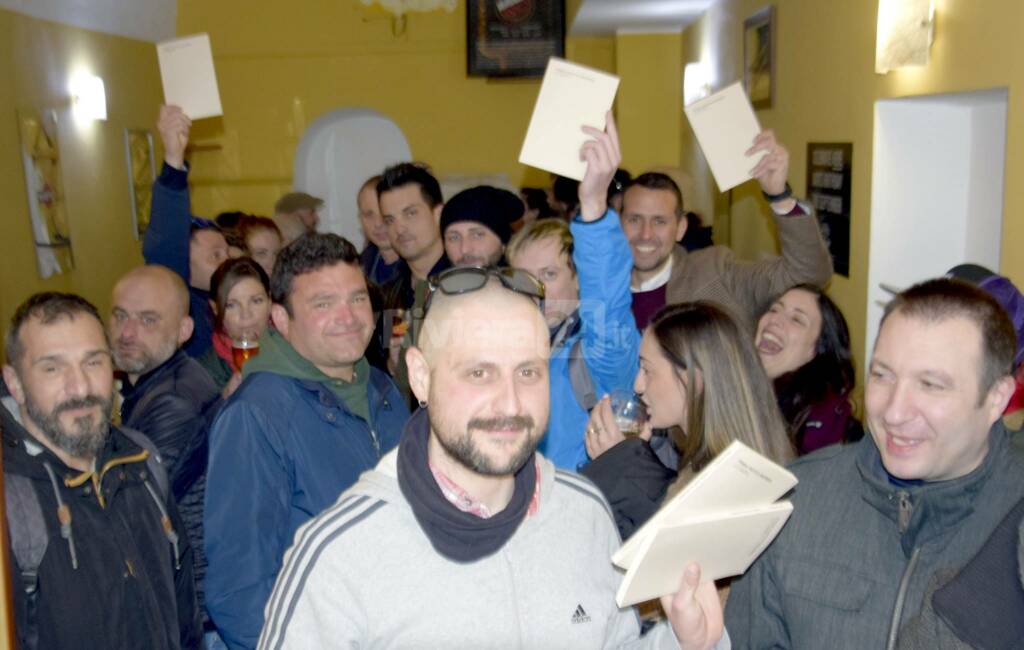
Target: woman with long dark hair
<point x="804" y="345"/>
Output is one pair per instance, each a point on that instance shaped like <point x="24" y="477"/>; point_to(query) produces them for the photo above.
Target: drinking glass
<point x="244" y="349"/>
<point x="629" y="411"/>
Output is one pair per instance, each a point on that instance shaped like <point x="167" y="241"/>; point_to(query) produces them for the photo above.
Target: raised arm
<point x="604" y="263"/>
<point x="805" y="258"/>
<point x="166" y="240"/>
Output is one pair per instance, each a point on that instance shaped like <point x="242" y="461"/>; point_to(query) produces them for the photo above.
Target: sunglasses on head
<point x="467" y="279"/>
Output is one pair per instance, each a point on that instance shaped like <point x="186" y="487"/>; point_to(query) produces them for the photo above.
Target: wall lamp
<point x="905" y="32"/>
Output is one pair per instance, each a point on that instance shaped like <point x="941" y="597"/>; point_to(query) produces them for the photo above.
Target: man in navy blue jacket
<point x="192" y="248"/>
<point x="310" y="416"/>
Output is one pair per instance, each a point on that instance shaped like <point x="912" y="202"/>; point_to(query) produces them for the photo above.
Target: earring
<point x="423" y="403"/>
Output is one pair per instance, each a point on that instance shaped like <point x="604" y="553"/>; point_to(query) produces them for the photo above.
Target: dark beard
<point x="462" y="447"/>
<point x="86" y="439"/>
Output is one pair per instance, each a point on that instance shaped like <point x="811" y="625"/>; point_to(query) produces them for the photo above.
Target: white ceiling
<point x="146" y="20"/>
<point x="602" y="17"/>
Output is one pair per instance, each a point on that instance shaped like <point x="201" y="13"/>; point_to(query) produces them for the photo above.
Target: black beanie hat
<point x="495" y="208"/>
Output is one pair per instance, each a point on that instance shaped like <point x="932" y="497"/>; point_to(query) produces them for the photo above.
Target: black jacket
<point x="173" y="405"/>
<point x="129" y="591"/>
<point x="633" y="480"/>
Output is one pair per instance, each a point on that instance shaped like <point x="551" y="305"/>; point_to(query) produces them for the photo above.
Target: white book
<point x="723" y="519"/>
<point x="190" y="81"/>
<point x="725" y="126"/>
<point x="571" y="96"/>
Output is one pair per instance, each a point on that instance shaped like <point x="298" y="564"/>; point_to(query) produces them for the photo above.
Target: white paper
<point x="723" y="546"/>
<point x="725" y="126"/>
<point x="186" y="67"/>
<point x="571" y="96"/>
<point x="738" y="480"/>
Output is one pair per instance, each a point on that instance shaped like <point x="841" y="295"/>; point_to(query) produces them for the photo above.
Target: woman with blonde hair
<point x="700" y="377"/>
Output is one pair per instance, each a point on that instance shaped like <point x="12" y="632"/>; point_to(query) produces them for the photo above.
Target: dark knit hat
<point x="495" y="208"/>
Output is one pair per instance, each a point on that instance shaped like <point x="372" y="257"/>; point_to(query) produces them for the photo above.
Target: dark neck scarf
<point x="458" y="536"/>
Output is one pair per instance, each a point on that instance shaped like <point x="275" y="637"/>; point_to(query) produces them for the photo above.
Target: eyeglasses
<point x="466" y="279"/>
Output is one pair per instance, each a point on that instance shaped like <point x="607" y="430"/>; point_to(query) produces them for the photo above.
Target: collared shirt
<point x="659" y="280"/>
<point x="464" y="502"/>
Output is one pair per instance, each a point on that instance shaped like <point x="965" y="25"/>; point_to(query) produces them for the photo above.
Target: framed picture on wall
<point x="513" y="38"/>
<point x="138" y="151"/>
<point x="44" y="181"/>
<point x="759" y="57"/>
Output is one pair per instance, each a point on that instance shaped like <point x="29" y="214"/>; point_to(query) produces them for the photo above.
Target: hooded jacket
<point x="550" y="585"/>
<point x="282" y="449"/>
<point x="128" y="590"/>
<point x="854" y="562"/>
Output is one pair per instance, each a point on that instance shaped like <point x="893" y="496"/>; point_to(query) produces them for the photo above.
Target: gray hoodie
<point x="364" y="575"/>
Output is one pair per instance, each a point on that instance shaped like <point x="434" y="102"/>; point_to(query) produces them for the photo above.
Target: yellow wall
<point x="649" y="106"/>
<point x="826" y="91"/>
<point x="36" y="60"/>
<point x="281" y="65"/>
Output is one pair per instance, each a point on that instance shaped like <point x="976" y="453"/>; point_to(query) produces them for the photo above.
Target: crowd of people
<point x="277" y="440"/>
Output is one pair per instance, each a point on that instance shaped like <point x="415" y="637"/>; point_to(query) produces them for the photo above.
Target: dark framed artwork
<point x="759" y="57"/>
<point x="513" y="38"/>
<point x="829" y="178"/>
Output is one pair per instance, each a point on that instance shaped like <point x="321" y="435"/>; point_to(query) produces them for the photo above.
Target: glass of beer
<point x="629" y="411"/>
<point x="244" y="349"/>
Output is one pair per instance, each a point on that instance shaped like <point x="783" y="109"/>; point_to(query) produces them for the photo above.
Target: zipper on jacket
<point x="901" y="597"/>
<point x="375" y="441"/>
<point x="904" y="510"/>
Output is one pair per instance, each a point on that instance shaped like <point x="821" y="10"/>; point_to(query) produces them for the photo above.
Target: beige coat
<point x="745" y="288"/>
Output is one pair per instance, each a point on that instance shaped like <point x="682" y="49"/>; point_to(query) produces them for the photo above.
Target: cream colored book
<point x="723" y="519"/>
<point x="725" y="126"/>
<point x="189" y="79"/>
<point x="571" y="96"/>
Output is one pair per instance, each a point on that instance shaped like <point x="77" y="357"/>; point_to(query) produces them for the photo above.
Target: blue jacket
<point x="281" y="450"/>
<point x="167" y="242"/>
<point x="610" y="340"/>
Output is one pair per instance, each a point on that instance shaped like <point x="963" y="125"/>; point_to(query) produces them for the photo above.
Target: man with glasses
<point x="585" y="268"/>
<point x="464" y="536"/>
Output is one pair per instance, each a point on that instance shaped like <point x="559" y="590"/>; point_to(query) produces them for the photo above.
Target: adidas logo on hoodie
<point x="580" y="615"/>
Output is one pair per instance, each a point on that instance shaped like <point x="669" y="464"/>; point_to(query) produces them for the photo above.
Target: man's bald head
<point x="162" y="281"/>
<point x="482" y="367"/>
<point x="491" y="315"/>
<point x="149" y="319"/>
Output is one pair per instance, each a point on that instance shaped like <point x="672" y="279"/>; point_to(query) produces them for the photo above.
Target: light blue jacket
<point x="610" y="340"/>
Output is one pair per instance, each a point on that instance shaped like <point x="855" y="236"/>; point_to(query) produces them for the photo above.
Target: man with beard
<point x="487" y="544"/>
<point x="477" y="223"/>
<point x="654" y="221"/>
<point x="165" y="391"/>
<point x="85" y="511"/>
<point x="167" y="395"/>
<point x="310" y="416"/>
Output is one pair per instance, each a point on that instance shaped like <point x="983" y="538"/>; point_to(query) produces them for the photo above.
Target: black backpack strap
<point x="579" y="377"/>
<point x="27" y="528"/>
<point x="29" y="539"/>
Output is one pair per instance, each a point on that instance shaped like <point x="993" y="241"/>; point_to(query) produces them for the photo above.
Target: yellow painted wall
<point x="826" y="92"/>
<point x="36" y="60"/>
<point x="281" y="65"/>
<point x="650" y="99"/>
